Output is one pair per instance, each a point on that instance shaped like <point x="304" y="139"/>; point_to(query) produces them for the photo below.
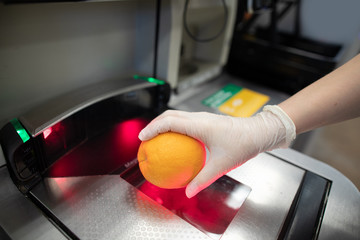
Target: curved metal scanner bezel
<point x="53" y="111"/>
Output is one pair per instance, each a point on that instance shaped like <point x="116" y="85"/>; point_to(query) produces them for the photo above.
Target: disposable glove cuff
<point x="286" y="121"/>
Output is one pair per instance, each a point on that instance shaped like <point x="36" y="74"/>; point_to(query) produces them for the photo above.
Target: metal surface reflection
<point x="211" y="210"/>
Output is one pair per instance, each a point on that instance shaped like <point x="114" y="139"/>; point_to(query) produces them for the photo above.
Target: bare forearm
<point x="333" y="98"/>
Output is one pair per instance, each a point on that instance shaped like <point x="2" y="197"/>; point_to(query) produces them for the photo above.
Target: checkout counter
<point x="68" y="167"/>
<point x="71" y="172"/>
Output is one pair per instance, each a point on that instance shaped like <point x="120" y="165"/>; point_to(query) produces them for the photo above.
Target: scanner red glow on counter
<point x="211" y="211"/>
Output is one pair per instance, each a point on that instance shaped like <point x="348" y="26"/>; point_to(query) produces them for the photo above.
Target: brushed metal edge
<point x="53" y="111"/>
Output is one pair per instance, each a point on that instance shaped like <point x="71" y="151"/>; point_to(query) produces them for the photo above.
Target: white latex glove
<point x="231" y="141"/>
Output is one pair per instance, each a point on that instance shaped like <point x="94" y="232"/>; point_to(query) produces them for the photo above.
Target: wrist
<point x="286" y="121"/>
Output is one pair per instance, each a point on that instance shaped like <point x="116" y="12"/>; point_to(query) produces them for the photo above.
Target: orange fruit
<point x="171" y="160"/>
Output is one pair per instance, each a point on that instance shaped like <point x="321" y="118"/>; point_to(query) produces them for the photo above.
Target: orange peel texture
<point x="171" y="160"/>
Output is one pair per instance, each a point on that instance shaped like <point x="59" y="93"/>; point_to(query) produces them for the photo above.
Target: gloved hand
<point x="231" y="141"/>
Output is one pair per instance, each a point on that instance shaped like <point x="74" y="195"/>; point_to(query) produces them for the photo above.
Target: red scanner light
<point x="103" y="154"/>
<point x="47" y="132"/>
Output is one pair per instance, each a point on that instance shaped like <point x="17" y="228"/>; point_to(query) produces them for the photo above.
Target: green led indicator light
<point x="20" y="130"/>
<point x="150" y="79"/>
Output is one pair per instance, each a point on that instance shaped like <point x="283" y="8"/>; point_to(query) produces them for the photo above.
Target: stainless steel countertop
<point x="19" y="217"/>
<point x="108" y="207"/>
<point x="342" y="215"/>
<point x="78" y="199"/>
